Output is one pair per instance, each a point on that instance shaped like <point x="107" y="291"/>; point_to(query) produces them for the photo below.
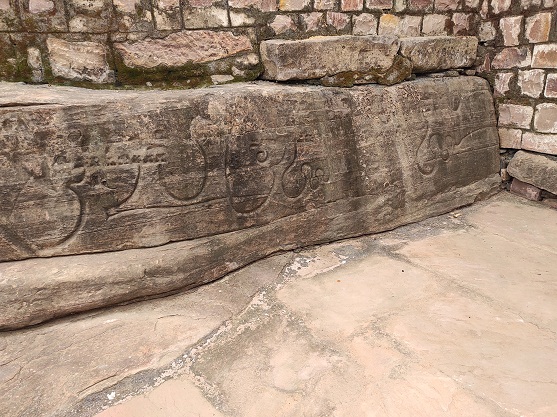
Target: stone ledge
<point x="238" y="171"/>
<point x="347" y="60"/>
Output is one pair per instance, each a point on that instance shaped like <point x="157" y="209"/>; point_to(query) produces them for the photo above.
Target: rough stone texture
<point x="182" y="48"/>
<point x="435" y="24"/>
<point x="510" y="27"/>
<point x="118" y="170"/>
<point x="502" y="80"/>
<point x="405" y="26"/>
<point x="539" y="142"/>
<point x="545" y="118"/>
<point x="318" y="57"/>
<point x="535" y="169"/>
<point x="545" y="56"/>
<point x="510" y="138"/>
<point x="379" y="4"/>
<point x="512" y="57"/>
<point x="538" y="27"/>
<point x="439" y="53"/>
<point x="79" y="61"/>
<point x="531" y="82"/>
<point x="551" y="86"/>
<point x="364" y="24"/>
<point x="515" y="115"/>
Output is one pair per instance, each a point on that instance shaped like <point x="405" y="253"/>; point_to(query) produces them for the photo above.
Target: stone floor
<point x="454" y="316"/>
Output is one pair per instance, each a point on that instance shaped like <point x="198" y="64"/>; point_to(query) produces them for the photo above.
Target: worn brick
<point x="282" y="24"/>
<point x="512" y="57"/>
<point x="487" y="31"/>
<point x="340" y="21"/>
<point x="294" y="5"/>
<point x="545" y="56"/>
<point x="446" y="5"/>
<point x="313" y="21"/>
<point x="324" y="4"/>
<point x="379" y="4"/>
<point x="462" y="23"/>
<point x="510" y="138"/>
<point x="499" y="6"/>
<point x="209" y="17"/>
<point x="501" y="86"/>
<point x="510" y="29"/>
<point x="405" y="26"/>
<point x="527" y="4"/>
<point x="351" y="5"/>
<point x="539" y="142"/>
<point x="364" y="24"/>
<point x="435" y="24"/>
<point x="526" y="190"/>
<point x="538" y="27"/>
<point x="261" y="5"/>
<point x="514" y="115"/>
<point x="545" y="118"/>
<point x="551" y="86"/>
<point x="420" y="5"/>
<point x="531" y="82"/>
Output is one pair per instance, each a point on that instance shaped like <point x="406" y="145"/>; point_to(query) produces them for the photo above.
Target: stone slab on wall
<point x="239" y="171"/>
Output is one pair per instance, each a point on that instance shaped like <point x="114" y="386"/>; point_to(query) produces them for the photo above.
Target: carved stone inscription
<point x="141" y="170"/>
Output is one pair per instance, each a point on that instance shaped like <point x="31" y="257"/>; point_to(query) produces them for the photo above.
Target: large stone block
<point x="238" y="171"/>
<point x="323" y="56"/>
<point x="437" y="53"/>
<point x="535" y="169"/>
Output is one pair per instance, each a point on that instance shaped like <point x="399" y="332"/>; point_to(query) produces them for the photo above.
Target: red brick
<point x="526" y="190"/>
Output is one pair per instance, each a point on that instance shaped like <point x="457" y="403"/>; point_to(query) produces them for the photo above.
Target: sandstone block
<point x="545" y="119"/>
<point x="526" y="190"/>
<point x="210" y="17"/>
<point x="487" y="31"/>
<point x="512" y="57"/>
<point x="351" y="5"/>
<point x="340" y="22"/>
<point x="420" y="5"/>
<point x="511" y="28"/>
<point x="379" y="4"/>
<point x="502" y="80"/>
<point x="9" y="19"/>
<point x="314" y="21"/>
<point x="294" y="5"/>
<point x="538" y="27"/>
<point x="403" y="26"/>
<point x="324" y="4"/>
<point x="499" y="6"/>
<point x="283" y="24"/>
<point x="540" y="143"/>
<point x="239" y="171"/>
<point x="545" y="56"/>
<point x="260" y="5"/>
<point x="92" y="16"/>
<point x="463" y="23"/>
<point x="318" y="57"/>
<point x="551" y="86"/>
<point x="535" y="169"/>
<point x="133" y="15"/>
<point x="364" y="24"/>
<point x="510" y="138"/>
<point x="446" y="5"/>
<point x="438" y="53"/>
<point x="514" y="115"/>
<point x="435" y="25"/>
<point x="79" y="61"/>
<point x="531" y="82"/>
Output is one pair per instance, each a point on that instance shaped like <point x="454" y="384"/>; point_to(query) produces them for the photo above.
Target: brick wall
<point x="200" y="42"/>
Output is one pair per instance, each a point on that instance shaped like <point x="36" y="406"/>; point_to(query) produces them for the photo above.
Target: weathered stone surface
<point x="511" y="27"/>
<point x="531" y="82"/>
<point x="178" y="49"/>
<point x="512" y="57"/>
<point x="510" y="138"/>
<point x="545" y="118"/>
<point x="515" y="115"/>
<point x="545" y="56"/>
<point x="535" y="169"/>
<point x="320" y="56"/>
<point x="79" y="61"/>
<point x="538" y="27"/>
<point x="523" y="189"/>
<point x="551" y="86"/>
<point x="438" y="53"/>
<point x="539" y="142"/>
<point x="405" y="26"/>
<point x="259" y="168"/>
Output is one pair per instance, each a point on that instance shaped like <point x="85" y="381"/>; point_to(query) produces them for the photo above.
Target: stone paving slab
<point x="452" y="316"/>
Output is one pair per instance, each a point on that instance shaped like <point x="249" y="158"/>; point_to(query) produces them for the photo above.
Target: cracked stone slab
<point x="438" y="53"/>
